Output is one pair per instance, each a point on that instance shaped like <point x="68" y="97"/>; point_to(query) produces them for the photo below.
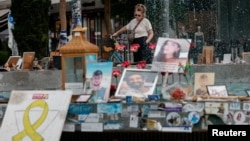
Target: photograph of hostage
<point x="170" y="54"/>
<point x="201" y="82"/>
<point x="101" y="93"/>
<point x="137" y="84"/>
<point x="98" y="81"/>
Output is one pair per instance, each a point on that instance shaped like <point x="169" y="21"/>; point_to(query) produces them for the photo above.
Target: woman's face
<point x="138" y="15"/>
<point x="170" y="48"/>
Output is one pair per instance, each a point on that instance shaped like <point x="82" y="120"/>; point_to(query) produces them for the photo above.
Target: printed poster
<point x="171" y="55"/>
<point x="35" y="115"/>
<point x="98" y="80"/>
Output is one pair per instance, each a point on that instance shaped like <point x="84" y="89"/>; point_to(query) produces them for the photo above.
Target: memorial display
<point x="182" y="100"/>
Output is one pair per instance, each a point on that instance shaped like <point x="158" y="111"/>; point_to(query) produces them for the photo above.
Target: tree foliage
<point x="31" y="25"/>
<point x="177" y="12"/>
<point x="124" y="8"/>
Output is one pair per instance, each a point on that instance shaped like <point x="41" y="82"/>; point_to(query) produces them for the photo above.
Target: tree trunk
<point x="107" y="17"/>
<point x="63" y="20"/>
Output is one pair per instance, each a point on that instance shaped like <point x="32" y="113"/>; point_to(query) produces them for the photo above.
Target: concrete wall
<point x="30" y="80"/>
<point x="235" y="76"/>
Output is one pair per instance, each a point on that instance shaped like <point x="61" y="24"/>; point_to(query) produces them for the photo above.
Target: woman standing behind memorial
<point x="143" y="33"/>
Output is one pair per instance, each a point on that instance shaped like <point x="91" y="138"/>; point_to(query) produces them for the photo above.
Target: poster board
<point x="35" y="115"/>
<point x="170" y="54"/>
<point x="137" y="82"/>
<point x="98" y="80"/>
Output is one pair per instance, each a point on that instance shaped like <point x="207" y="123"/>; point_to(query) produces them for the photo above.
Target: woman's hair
<point x="161" y="55"/>
<point x="141" y="8"/>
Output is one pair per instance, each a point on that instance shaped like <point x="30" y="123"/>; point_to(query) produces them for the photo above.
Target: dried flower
<point x="177" y="94"/>
<point x="152" y="45"/>
<point x="112" y="90"/>
<point x="125" y="64"/>
<point x="116" y="73"/>
<point x="134" y="47"/>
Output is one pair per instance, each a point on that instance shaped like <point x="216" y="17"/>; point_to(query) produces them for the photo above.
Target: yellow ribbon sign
<point x="29" y="129"/>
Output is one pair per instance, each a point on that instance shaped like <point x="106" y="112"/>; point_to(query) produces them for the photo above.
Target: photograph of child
<point x="138" y="83"/>
<point x="99" y="76"/>
<point x="170" y="53"/>
<point x="201" y="82"/>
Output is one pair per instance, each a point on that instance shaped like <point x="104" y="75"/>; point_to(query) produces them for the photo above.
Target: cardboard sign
<point x="35" y="115"/>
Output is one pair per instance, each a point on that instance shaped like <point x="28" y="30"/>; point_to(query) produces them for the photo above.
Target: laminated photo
<point x="171" y="55"/>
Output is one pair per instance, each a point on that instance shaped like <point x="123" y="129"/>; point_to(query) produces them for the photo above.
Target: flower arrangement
<point x="177" y="94"/>
<point x="116" y="73"/>
<point x="125" y="64"/>
<point x="112" y="90"/>
<point x="141" y="65"/>
<point x="134" y="47"/>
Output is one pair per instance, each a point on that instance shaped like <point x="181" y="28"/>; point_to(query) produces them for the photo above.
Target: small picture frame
<point x="227" y="58"/>
<point x="13" y="60"/>
<point x="137" y="83"/>
<point x="247" y="92"/>
<point x="217" y="90"/>
<point x="246" y="57"/>
<point x="28" y="58"/>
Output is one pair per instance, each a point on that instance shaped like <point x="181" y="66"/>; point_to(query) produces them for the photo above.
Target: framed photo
<point x="98" y="81"/>
<point x="13" y="60"/>
<point x="247" y="92"/>
<point x="246" y="57"/>
<point x="137" y="83"/>
<point x="201" y="80"/>
<point x="217" y="90"/>
<point x="28" y="58"/>
<point x="170" y="53"/>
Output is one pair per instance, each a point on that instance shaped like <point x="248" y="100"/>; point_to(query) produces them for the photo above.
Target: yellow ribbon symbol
<point x="30" y="130"/>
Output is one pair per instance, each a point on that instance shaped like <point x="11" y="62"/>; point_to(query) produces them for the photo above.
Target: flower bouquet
<point x="177" y="91"/>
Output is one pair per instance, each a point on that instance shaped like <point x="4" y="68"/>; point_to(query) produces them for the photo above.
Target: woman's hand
<point x="115" y="34"/>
